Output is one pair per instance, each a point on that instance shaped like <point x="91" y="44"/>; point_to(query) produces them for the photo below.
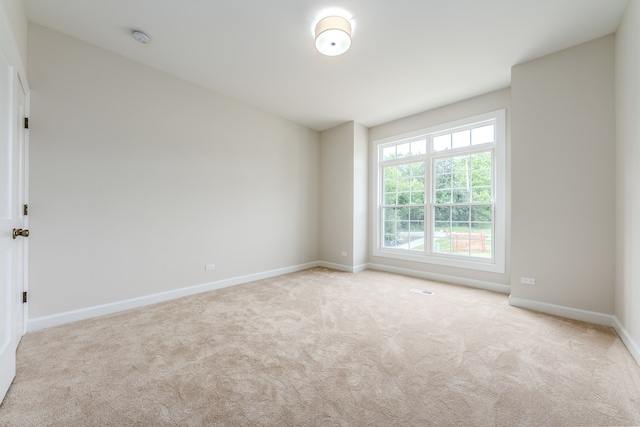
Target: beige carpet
<point x="326" y="348"/>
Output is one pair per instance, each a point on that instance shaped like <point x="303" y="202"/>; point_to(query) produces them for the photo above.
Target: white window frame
<point x="495" y="265"/>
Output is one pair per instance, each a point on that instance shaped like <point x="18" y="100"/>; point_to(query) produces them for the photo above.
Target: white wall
<point x="13" y="33"/>
<point x="343" y="196"/>
<point x="140" y="179"/>
<point x="563" y="177"/>
<point x="360" y="195"/>
<point x="336" y="194"/>
<point x="482" y="104"/>
<point x="627" y="286"/>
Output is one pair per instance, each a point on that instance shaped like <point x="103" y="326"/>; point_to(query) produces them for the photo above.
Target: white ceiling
<point x="407" y="56"/>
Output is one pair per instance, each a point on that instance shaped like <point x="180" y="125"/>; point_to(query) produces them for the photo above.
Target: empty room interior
<point x="320" y="213"/>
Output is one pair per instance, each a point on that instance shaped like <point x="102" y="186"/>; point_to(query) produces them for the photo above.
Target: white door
<point x="13" y="162"/>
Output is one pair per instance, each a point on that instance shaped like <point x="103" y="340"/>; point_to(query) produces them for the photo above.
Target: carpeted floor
<point x="326" y="348"/>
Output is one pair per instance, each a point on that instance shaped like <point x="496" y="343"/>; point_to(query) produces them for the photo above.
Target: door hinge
<point x="26" y="122"/>
<point x="25" y="211"/>
<point x="24" y="297"/>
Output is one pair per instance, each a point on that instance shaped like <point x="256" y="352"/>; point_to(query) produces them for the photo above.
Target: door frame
<point x="23" y="114"/>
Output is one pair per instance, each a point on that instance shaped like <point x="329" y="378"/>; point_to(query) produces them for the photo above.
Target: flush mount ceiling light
<point x="141" y="37"/>
<point x="333" y="35"/>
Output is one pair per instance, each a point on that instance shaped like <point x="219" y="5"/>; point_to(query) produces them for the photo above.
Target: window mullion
<point x="428" y="216"/>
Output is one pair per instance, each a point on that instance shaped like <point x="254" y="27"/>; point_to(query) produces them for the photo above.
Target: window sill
<point x="479" y="265"/>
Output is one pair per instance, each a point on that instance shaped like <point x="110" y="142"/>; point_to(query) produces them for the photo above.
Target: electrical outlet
<point x="343" y="254"/>
<point x="209" y="267"/>
<point x="528" y="280"/>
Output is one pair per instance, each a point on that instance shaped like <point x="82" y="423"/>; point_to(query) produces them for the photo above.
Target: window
<point x="440" y="194"/>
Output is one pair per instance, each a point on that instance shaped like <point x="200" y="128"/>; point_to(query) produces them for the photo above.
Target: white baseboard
<point x="626" y="338"/>
<point x="359" y="268"/>
<point x="562" y="311"/>
<point x="100" y="310"/>
<point x="342" y="267"/>
<point x="479" y="284"/>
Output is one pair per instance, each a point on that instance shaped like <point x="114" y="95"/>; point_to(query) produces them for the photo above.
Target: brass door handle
<point x="20" y="232"/>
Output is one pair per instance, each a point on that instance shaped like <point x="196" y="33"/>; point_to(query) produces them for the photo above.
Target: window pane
<point x="417" y="198"/>
<point x="481" y="161"/>
<point x="404" y="180"/>
<point x="460" y="243"/>
<point x="417" y="169"/>
<point x="404" y="184"/>
<point x="389" y="153"/>
<point x="404" y="150"/>
<point x="390" y="227"/>
<point x="404" y="198"/>
<point x="481" y="178"/>
<point x="417" y="245"/>
<point x="442" y="213"/>
<point x="417" y="226"/>
<point x="480" y="243"/>
<point x="417" y="235"/>
<point x="419" y="147"/>
<point x="417" y="184"/>
<point x="482" y="135"/>
<point x="443" y="181"/>
<point x="389" y="213"/>
<point x="442" y="227"/>
<point x="460" y="213"/>
<point x="390" y="240"/>
<point x="460" y="164"/>
<point x="390" y="179"/>
<point x="390" y="199"/>
<point x="461" y="179"/>
<point x="402" y="226"/>
<point x="417" y="214"/>
<point x="389" y="234"/>
<point x="461" y="139"/>
<point x="404" y="171"/>
<point x="481" y="194"/>
<point x="443" y="196"/>
<point x="390" y="185"/>
<point x="460" y="227"/>
<point x="442" y="142"/>
<point x="460" y="195"/>
<point x="443" y="166"/>
<point x="461" y="176"/>
<point x="460" y="238"/>
<point x="481" y="214"/>
<point x="441" y="238"/>
<point x="403" y="213"/>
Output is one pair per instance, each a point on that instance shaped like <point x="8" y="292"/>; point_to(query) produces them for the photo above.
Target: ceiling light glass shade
<point x="333" y="36"/>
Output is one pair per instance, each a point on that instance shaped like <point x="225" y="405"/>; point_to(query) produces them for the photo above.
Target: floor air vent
<point x="421" y="291"/>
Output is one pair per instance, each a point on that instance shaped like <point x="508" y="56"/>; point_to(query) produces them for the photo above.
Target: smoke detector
<point x="141" y="37"/>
